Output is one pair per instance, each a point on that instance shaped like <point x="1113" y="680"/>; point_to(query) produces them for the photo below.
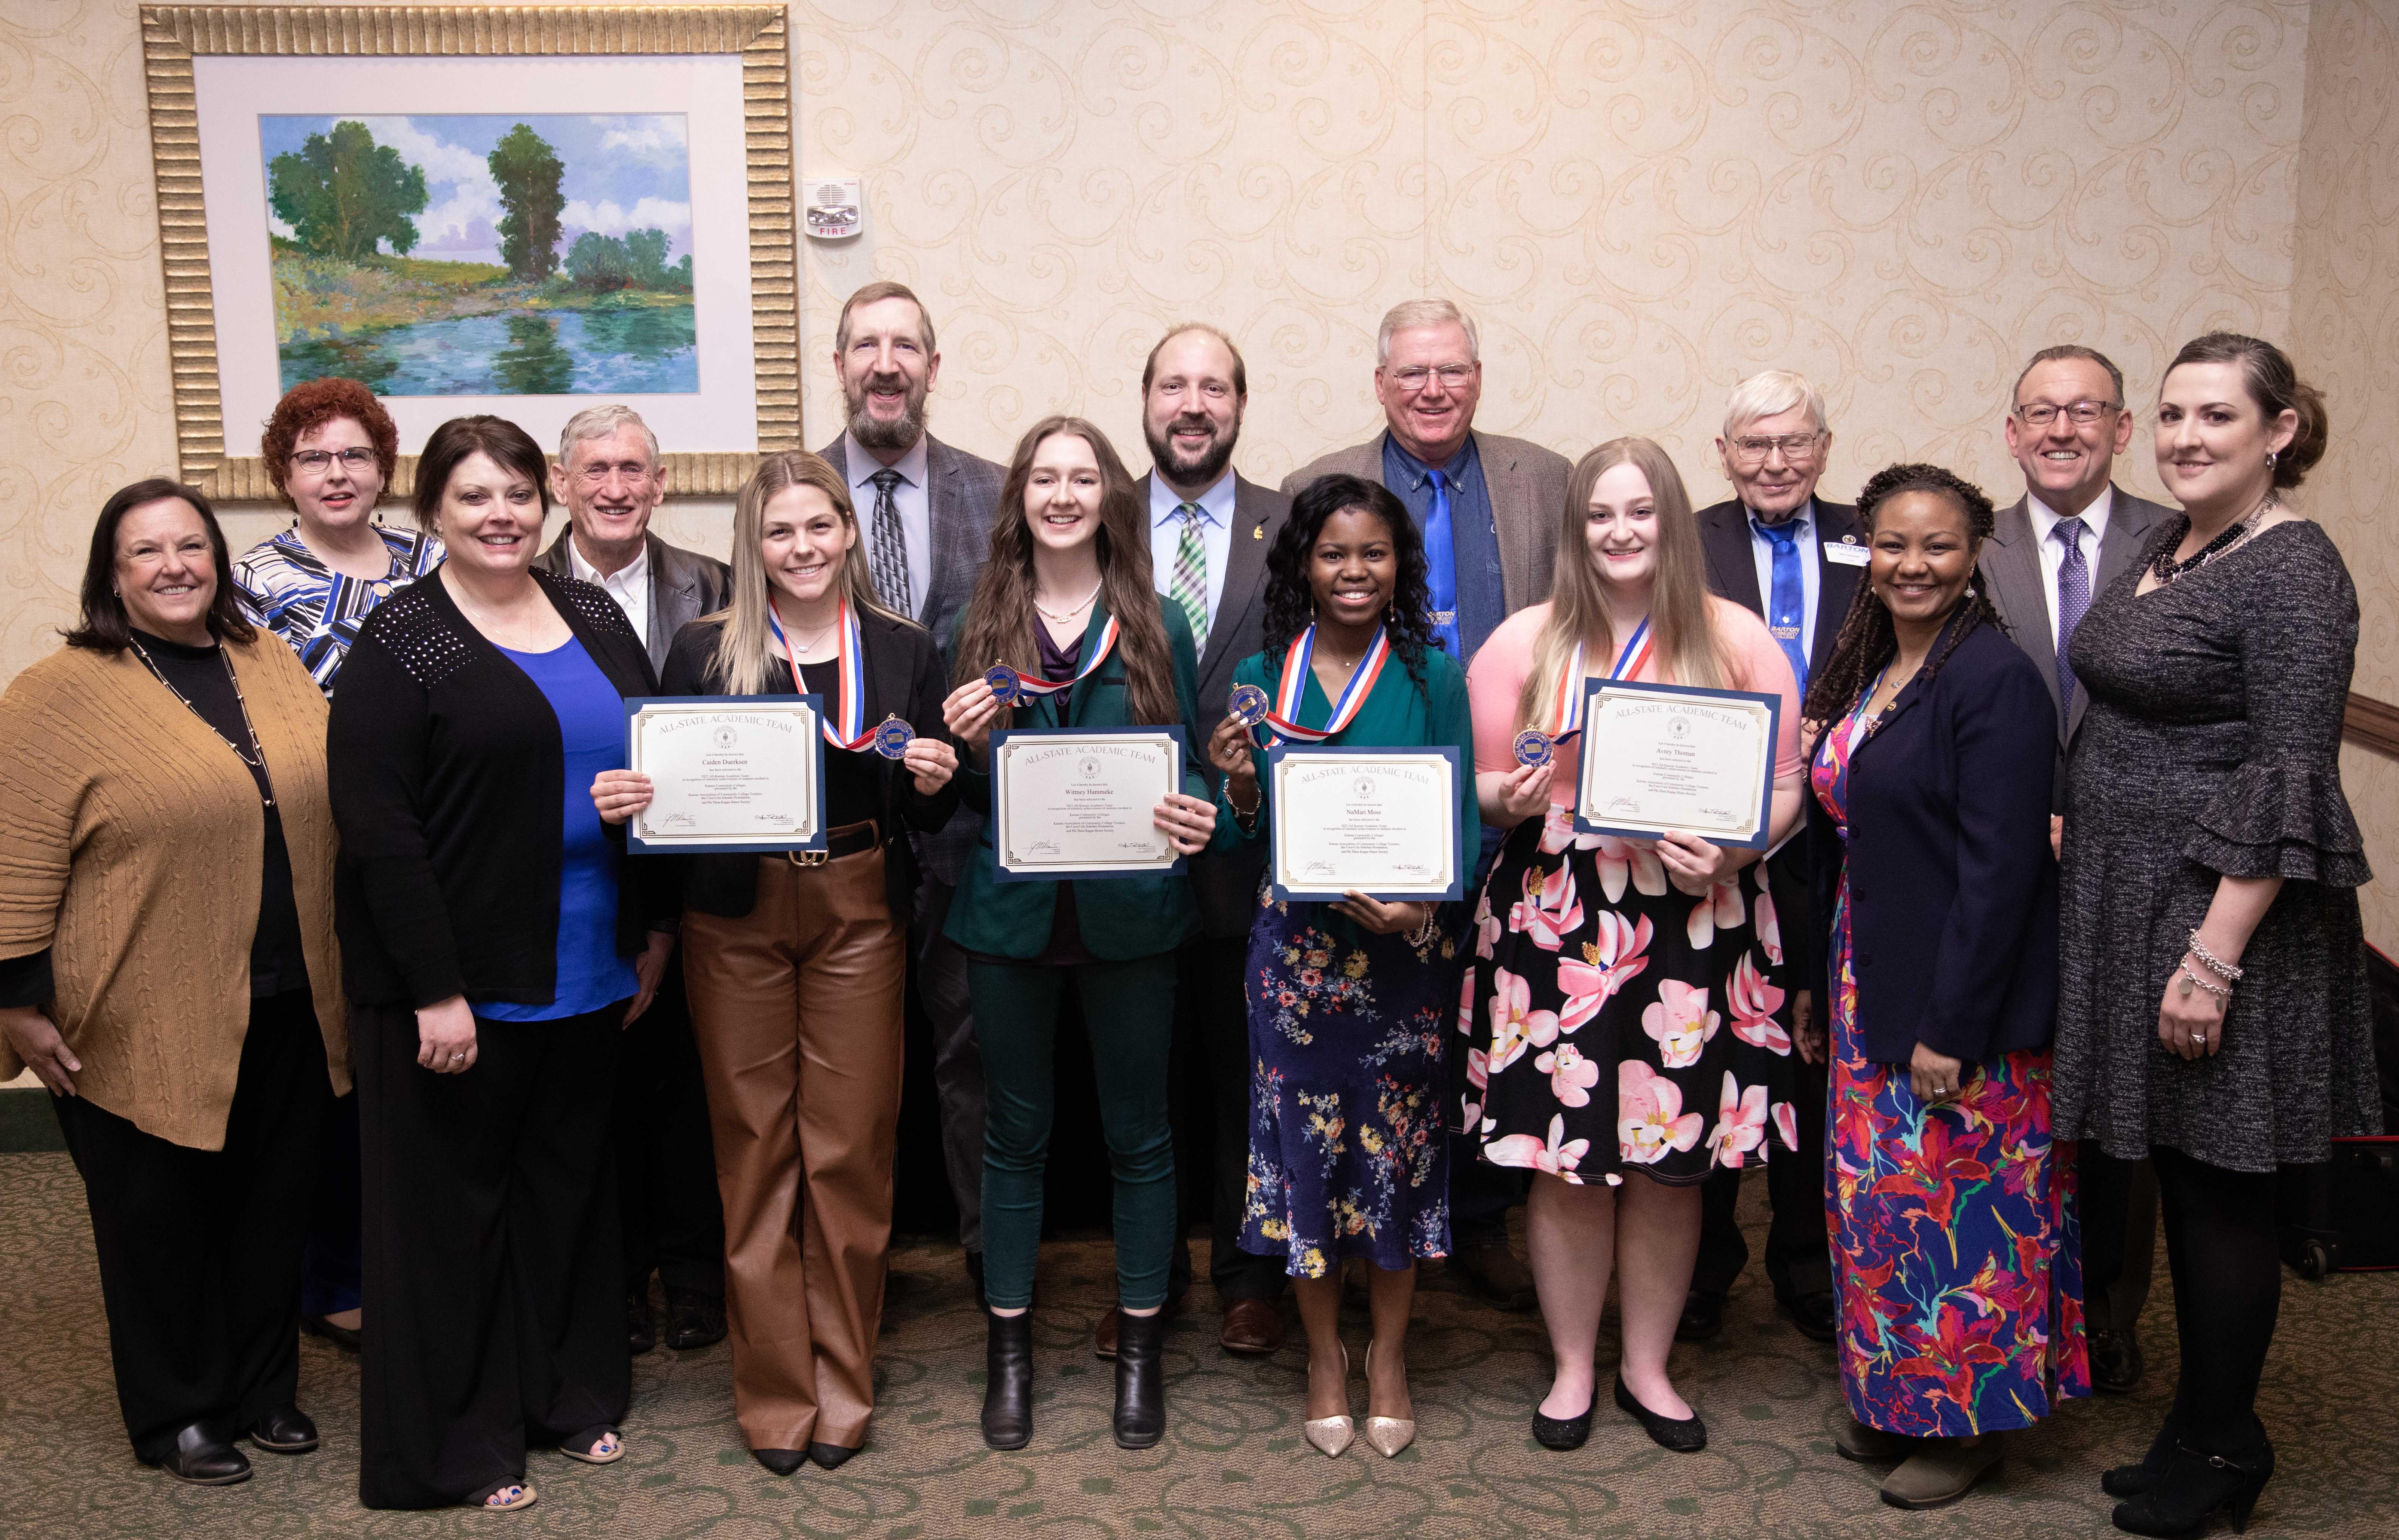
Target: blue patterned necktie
<point x="1786" y="606"/>
<point x="2073" y="598"/>
<point x="1440" y="567"/>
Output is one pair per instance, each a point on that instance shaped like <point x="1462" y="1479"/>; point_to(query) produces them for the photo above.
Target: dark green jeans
<point x="1128" y="1013"/>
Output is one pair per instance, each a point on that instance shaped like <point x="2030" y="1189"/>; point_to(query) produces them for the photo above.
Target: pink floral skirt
<point x="1612" y="1022"/>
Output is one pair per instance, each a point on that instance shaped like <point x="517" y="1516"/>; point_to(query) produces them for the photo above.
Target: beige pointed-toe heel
<point x="1331" y="1435"/>
<point x="1388" y="1435"/>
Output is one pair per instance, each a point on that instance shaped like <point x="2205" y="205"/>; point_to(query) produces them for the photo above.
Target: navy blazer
<point x="1953" y="893"/>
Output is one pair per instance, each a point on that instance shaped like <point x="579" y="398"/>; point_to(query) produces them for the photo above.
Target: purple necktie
<point x="2073" y="598"/>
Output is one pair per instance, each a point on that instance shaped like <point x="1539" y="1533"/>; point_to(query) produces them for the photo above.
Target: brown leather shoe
<point x="1103" y="1336"/>
<point x="1252" y="1327"/>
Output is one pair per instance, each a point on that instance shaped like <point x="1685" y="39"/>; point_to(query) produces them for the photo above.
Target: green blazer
<point x="1120" y="918"/>
<point x="1397" y="715"/>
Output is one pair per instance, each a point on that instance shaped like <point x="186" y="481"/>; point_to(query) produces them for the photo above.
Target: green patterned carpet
<point x="1233" y="1465"/>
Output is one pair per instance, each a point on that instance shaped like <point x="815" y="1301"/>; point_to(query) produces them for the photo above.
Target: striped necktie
<point x="1190" y="585"/>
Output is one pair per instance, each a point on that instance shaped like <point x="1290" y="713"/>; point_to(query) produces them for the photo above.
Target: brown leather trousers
<point x="796" y="1008"/>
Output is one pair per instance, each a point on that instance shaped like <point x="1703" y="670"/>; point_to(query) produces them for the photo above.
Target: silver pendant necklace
<point x="254" y="758"/>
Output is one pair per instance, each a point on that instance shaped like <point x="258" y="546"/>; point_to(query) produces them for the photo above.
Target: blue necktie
<point x="1440" y="567"/>
<point x="2073" y="598"/>
<point x="1786" y="608"/>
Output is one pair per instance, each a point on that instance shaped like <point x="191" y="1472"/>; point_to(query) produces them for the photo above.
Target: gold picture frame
<point x="173" y="35"/>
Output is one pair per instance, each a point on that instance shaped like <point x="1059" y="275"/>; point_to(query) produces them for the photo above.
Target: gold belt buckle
<point x="807" y="858"/>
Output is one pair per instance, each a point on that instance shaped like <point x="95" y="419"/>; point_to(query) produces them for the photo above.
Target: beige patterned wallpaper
<point x="1642" y="200"/>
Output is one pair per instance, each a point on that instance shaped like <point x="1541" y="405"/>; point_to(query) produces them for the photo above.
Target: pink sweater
<point x="1496" y="679"/>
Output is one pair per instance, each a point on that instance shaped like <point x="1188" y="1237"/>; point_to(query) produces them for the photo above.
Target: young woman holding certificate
<point x="1348" y="1000"/>
<point x="1066" y="634"/>
<point x="1618" y="1009"/>
<point x="794" y="962"/>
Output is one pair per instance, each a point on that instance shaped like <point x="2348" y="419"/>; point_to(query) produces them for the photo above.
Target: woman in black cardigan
<point x="795" y="964"/>
<point x="1954" y="1255"/>
<point x="492" y="959"/>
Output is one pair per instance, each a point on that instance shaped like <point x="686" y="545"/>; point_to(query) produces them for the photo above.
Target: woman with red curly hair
<point x="331" y="450"/>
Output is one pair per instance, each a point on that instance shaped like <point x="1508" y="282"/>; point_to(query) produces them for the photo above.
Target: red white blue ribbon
<point x="1566" y="717"/>
<point x="1029" y="687"/>
<point x="853" y="733"/>
<point x="1284" y="720"/>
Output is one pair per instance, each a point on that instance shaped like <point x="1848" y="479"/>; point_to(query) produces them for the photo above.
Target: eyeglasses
<point x="316" y="462"/>
<point x="2080" y="413"/>
<point x="1798" y="449"/>
<point x="1415" y="377"/>
<point x="599" y="471"/>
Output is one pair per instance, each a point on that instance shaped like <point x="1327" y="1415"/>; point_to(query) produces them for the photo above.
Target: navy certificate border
<point x="1457" y="888"/>
<point x="636" y="846"/>
<point x="991" y="826"/>
<point x="1773" y="704"/>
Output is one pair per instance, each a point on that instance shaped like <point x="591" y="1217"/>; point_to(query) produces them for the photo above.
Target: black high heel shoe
<point x="2135" y="1481"/>
<point x="1683" y="1435"/>
<point x="2191" y="1488"/>
<point x="1008" y="1390"/>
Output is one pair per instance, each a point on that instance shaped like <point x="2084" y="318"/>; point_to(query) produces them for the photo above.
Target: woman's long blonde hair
<point x="1682" y="631"/>
<point x="744" y="661"/>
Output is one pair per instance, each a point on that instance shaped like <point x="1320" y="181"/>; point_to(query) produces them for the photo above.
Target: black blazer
<point x="447" y="779"/>
<point x="903" y="678"/>
<point x="1953" y="894"/>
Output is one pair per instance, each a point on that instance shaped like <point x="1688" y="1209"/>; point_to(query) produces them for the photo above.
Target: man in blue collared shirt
<point x="1778" y="550"/>
<point x="1490" y="510"/>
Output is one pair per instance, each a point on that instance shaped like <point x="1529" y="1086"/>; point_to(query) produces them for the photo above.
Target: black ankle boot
<point x="1008" y="1391"/>
<point x="1141" y="1380"/>
<point x="2193" y="1487"/>
<point x="2136" y="1479"/>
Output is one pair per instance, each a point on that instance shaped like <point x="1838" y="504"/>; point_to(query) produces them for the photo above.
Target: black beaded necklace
<point x="2166" y="569"/>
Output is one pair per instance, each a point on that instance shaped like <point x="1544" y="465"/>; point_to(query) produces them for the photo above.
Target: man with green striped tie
<point x="1210" y="530"/>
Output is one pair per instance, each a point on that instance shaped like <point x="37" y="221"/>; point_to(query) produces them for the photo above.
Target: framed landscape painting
<point x="424" y="199"/>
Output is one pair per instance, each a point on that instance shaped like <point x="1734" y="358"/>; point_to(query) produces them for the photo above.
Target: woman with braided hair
<point x="1956" y="1265"/>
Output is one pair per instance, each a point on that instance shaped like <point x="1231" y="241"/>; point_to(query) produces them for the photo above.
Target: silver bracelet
<point x="2223" y="995"/>
<point x="2217" y="965"/>
<point x="1422" y="935"/>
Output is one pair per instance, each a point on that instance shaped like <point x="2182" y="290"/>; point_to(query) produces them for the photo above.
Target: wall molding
<point x="2371" y="724"/>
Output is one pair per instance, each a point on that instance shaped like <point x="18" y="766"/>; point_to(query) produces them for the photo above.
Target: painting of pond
<point x="483" y="254"/>
<point x="518" y="353"/>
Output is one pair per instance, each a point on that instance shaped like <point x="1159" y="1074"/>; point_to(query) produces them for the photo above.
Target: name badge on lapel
<point x="1848" y="553"/>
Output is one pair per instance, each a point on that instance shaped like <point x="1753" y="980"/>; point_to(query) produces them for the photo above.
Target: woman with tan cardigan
<point x="167" y="968"/>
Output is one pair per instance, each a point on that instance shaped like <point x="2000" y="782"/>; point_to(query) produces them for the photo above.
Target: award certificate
<point x="1656" y="757"/>
<point x="1378" y="821"/>
<point x="727" y="772"/>
<point x="1081" y="803"/>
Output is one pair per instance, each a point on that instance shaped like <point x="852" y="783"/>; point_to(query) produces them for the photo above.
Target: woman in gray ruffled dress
<point x="2212" y="1012"/>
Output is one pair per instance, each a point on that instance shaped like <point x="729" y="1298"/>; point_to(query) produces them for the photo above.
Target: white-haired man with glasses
<point x="1789" y="556"/>
<point x="609" y="477"/>
<point x="2050" y="553"/>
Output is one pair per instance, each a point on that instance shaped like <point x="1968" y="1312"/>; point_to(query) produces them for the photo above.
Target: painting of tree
<point x="531" y="184"/>
<point x="342" y="194"/>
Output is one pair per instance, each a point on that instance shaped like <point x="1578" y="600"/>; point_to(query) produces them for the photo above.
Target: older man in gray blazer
<point x="924" y="523"/>
<point x="2051" y="554"/>
<point x="609" y="478"/>
<point x="1488" y="508"/>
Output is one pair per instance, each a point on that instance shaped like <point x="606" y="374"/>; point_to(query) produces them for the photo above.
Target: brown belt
<point x="851" y="839"/>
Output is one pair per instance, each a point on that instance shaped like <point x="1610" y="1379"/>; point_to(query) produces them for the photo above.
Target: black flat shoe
<point x="693" y="1320"/>
<point x="341" y="1337"/>
<point x="1702" y="1317"/>
<point x="2115" y="1363"/>
<point x="286" y="1431"/>
<point x="783" y="1462"/>
<point x="1683" y="1435"/>
<point x="1008" y="1384"/>
<point x="1141" y="1380"/>
<point x="1813" y="1316"/>
<point x="829" y="1456"/>
<point x="2134" y="1480"/>
<point x="202" y="1459"/>
<point x="2192" y="1489"/>
<point x="1562" y="1432"/>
